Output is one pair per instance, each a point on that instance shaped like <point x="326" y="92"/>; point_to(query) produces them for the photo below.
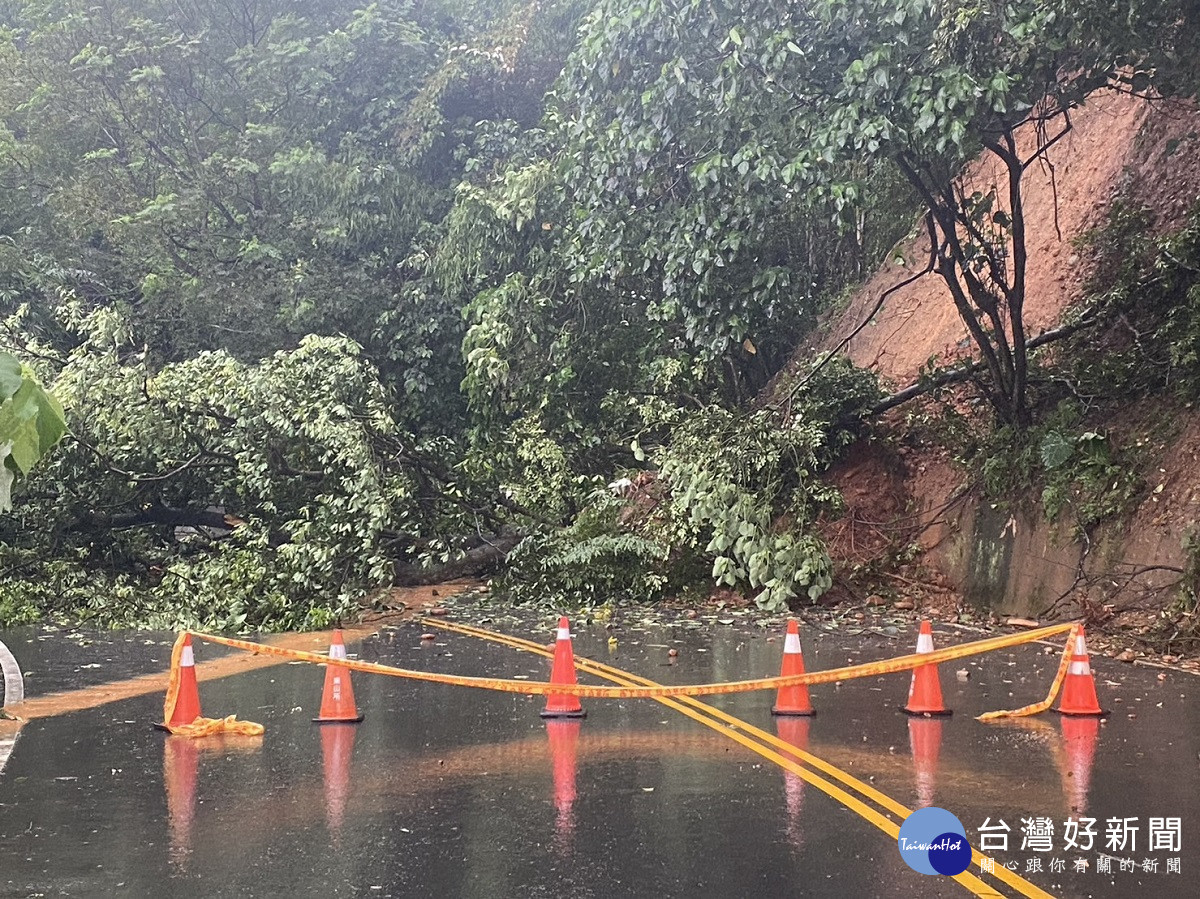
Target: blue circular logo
<point x="933" y="841"/>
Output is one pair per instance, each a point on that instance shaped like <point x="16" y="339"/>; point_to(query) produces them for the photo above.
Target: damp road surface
<point x="449" y="791"/>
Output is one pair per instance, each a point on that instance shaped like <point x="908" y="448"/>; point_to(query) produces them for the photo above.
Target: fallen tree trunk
<point x="477" y="561"/>
<point x="159" y="515"/>
<point x="966" y="372"/>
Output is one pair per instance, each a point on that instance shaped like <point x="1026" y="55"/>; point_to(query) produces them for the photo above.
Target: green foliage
<point x="326" y="290"/>
<point x="31" y="423"/>
<point x="1146" y="286"/>
<point x="218" y="243"/>
<point x="298" y="456"/>
<point x="747" y="487"/>
<point x="600" y="558"/>
<point x="698" y="134"/>
<point x="1178" y="627"/>
<point x="744" y="489"/>
<point x="1075" y="469"/>
<point x="679" y="174"/>
<point x="733" y="499"/>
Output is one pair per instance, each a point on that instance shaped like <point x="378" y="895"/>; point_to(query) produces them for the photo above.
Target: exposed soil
<point x="907" y="492"/>
<point x="1117" y="145"/>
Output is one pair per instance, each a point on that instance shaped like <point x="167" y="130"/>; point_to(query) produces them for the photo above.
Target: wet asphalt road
<point x="445" y="791"/>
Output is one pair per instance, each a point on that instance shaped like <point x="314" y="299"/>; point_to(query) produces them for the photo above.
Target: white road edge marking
<point x="6" y="748"/>
<point x="14" y="691"/>
<point x="13" y="682"/>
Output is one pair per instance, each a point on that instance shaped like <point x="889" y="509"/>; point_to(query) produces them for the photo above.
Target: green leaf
<point x="10" y="376"/>
<point x="1056" y="449"/>
<point x="30" y="424"/>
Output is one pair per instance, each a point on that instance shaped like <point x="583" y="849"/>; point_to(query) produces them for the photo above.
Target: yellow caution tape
<point x="746" y="734"/>
<point x="201" y="727"/>
<point x="1039" y="707"/>
<point x="209" y="727"/>
<point x="543" y="688"/>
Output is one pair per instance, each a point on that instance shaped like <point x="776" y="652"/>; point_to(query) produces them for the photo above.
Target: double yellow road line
<point x="831" y="780"/>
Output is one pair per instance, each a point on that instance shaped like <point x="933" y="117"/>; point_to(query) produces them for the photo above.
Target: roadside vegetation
<point x="328" y="298"/>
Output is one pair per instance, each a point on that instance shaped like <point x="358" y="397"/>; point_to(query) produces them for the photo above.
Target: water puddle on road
<point x="457" y="792"/>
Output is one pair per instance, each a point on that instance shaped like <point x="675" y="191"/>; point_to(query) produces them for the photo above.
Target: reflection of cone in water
<point x="187" y="702"/>
<point x="337" y="699"/>
<point x="1080" y="735"/>
<point x="925" y="691"/>
<point x="180" y="771"/>
<point x="337" y="747"/>
<point x="794" y="730"/>
<point x="1079" y="689"/>
<point x="925" y="740"/>
<point x="792" y="700"/>
<point x="563" y="705"/>
<point x="564" y="741"/>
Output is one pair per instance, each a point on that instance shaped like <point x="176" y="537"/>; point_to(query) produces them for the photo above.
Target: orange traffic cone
<point x="337" y="701"/>
<point x="563" y="705"/>
<point x="181" y="764"/>
<point x="925" y="740"/>
<point x="925" y="691"/>
<point x="792" y="700"/>
<point x="337" y="747"/>
<point x="1080" y="735"/>
<point x="1079" y="689"/>
<point x="187" y="701"/>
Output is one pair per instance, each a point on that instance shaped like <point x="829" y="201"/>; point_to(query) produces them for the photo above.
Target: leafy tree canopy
<point x="328" y="291"/>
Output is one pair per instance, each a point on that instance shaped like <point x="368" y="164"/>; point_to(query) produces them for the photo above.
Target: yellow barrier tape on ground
<point x="201" y="727"/>
<point x="1039" y="707"/>
<point x="211" y="727"/>
<point x="730" y="726"/>
<point x="543" y="688"/>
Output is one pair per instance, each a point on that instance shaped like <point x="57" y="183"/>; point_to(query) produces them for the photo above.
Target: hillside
<point x="1117" y="143"/>
<point x="1013" y="560"/>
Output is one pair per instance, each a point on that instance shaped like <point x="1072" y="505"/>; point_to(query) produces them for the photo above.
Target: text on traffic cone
<point x="337" y="699"/>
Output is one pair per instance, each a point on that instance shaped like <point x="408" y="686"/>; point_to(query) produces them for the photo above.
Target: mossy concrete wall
<point x="1008" y="562"/>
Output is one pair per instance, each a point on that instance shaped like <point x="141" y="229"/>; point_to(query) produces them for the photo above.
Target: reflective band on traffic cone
<point x="925" y="740"/>
<point x="925" y="691"/>
<point x="1079" y="689"/>
<point x="337" y="700"/>
<point x="187" y="702"/>
<point x="1080" y="735"/>
<point x="792" y="700"/>
<point x="563" y="705"/>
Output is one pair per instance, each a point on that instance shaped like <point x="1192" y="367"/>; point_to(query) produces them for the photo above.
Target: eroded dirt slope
<point x="1116" y="143"/>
